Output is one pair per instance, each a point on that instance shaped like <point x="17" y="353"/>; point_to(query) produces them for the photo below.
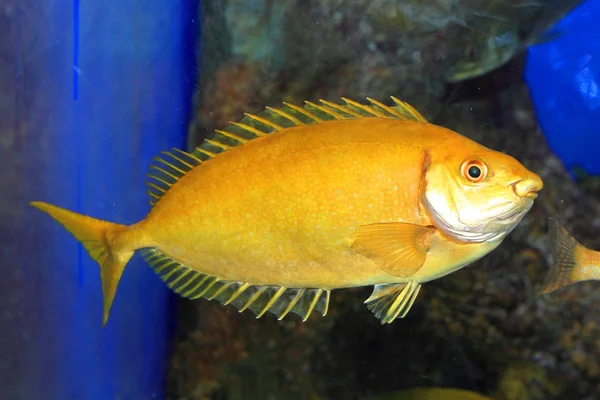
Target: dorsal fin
<point x="277" y="300"/>
<point x="272" y="120"/>
<point x="168" y="169"/>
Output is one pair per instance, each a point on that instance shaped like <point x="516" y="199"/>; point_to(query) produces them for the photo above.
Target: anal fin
<point x="277" y="300"/>
<point x="391" y="301"/>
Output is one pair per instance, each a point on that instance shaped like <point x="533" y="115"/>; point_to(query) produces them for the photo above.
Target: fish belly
<point x="446" y="256"/>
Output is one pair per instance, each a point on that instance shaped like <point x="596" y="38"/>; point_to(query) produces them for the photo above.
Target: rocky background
<point x="483" y="328"/>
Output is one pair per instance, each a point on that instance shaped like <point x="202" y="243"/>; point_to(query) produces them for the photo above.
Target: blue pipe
<point x="564" y="80"/>
<point x="115" y="81"/>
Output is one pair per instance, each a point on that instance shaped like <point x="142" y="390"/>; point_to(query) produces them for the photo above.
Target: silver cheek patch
<point x="447" y="218"/>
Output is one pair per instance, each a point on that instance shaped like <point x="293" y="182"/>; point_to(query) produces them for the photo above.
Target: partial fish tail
<point x="563" y="249"/>
<point x="105" y="243"/>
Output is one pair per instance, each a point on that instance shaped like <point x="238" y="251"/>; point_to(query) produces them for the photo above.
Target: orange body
<point x="286" y="216"/>
<point x="355" y="200"/>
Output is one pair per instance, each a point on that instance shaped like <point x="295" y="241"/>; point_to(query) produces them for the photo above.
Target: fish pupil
<point x="474" y="172"/>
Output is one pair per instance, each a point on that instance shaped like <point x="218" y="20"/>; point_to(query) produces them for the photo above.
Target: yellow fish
<point x="433" y="394"/>
<point x="572" y="261"/>
<point x="282" y="207"/>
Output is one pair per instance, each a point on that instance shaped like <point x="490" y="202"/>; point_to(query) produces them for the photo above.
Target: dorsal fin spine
<point x="192" y="156"/>
<point x="304" y="112"/>
<point x="232" y="136"/>
<point x="217" y="144"/>
<point x="249" y="129"/>
<point x="286" y="115"/>
<point x="417" y="115"/>
<point x="185" y="154"/>
<point x="160" y="180"/>
<point x="173" y="156"/>
<point x="325" y="110"/>
<point x="152" y="202"/>
<point x="165" y="162"/>
<point x="386" y="108"/>
<point x="155" y="187"/>
<point x="164" y="172"/>
<point x="341" y="108"/>
<point x="264" y="121"/>
<point x="364" y="108"/>
<point x="208" y="153"/>
<point x="161" y="177"/>
<point x="276" y="119"/>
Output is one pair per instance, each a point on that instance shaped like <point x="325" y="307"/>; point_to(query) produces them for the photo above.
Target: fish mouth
<point x="525" y="189"/>
<point x="532" y="195"/>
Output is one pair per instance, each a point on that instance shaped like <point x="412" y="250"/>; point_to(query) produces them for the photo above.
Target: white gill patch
<point x="498" y="223"/>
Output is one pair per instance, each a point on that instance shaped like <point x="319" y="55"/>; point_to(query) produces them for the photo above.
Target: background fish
<point x="433" y="394"/>
<point x="281" y="208"/>
<point x="493" y="33"/>
<point x="267" y="52"/>
<point x="573" y="262"/>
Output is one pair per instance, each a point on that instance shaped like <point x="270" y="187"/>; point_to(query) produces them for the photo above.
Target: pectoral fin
<point x="400" y="249"/>
<point x="391" y="301"/>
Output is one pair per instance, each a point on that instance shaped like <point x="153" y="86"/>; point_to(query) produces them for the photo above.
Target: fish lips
<point x="526" y="189"/>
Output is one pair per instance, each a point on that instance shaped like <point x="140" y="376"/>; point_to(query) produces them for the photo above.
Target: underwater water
<point x="93" y="91"/>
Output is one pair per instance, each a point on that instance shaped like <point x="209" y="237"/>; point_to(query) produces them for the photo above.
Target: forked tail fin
<point x="563" y="249"/>
<point x="101" y="240"/>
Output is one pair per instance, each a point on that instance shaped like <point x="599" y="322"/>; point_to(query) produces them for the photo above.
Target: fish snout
<point x="528" y="187"/>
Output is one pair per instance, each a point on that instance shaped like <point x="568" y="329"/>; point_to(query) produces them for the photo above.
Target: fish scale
<point x="278" y="209"/>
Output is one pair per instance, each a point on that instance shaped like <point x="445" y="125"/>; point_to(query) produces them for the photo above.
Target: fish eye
<point x="474" y="170"/>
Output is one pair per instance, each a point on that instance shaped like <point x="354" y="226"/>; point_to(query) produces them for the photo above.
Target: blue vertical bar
<point x="113" y="87"/>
